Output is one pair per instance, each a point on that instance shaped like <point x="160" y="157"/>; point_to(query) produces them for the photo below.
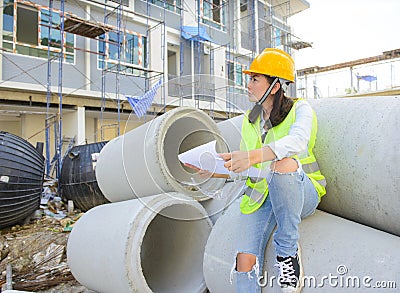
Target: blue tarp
<point x="368" y="78"/>
<point x="196" y="33"/>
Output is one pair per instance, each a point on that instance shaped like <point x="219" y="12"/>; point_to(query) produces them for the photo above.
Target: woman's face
<point x="257" y="86"/>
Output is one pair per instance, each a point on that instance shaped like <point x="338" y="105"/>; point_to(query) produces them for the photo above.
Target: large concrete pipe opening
<point x="178" y="255"/>
<point x="183" y="135"/>
<point x="141" y="245"/>
<point x="145" y="161"/>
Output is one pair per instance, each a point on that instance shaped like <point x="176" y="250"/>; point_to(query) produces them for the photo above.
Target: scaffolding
<point x="196" y="85"/>
<point x="48" y="94"/>
<point x="91" y="29"/>
<point x="266" y="26"/>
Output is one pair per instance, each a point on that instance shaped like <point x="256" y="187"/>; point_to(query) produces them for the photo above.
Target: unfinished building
<point x="66" y="67"/>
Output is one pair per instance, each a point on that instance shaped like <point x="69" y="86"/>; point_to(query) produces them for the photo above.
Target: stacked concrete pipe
<point x="231" y="131"/>
<point x="229" y="193"/>
<point x="144" y="161"/>
<point x="331" y="246"/>
<point x="357" y="148"/>
<point x="151" y="244"/>
<point x="152" y="237"/>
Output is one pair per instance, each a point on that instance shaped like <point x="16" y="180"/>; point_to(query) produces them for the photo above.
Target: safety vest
<point x="257" y="188"/>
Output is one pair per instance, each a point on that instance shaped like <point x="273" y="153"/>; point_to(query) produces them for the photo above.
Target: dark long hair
<point x="281" y="105"/>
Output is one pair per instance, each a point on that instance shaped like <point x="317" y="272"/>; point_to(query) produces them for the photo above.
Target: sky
<point x="346" y="30"/>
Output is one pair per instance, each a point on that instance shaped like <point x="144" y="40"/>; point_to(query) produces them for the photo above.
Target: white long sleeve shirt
<point x="299" y="134"/>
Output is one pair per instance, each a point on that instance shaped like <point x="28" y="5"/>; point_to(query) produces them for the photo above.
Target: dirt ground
<point x="36" y="252"/>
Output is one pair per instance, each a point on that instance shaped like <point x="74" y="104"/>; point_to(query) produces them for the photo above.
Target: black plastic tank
<point x="78" y="179"/>
<point x="21" y="179"/>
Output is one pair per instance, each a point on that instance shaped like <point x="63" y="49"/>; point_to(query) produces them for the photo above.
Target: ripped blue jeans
<point x="292" y="196"/>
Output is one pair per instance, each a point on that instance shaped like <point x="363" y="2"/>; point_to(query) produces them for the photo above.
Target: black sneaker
<point x="290" y="272"/>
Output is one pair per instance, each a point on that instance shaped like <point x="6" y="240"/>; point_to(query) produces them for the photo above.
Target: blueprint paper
<point x="206" y="157"/>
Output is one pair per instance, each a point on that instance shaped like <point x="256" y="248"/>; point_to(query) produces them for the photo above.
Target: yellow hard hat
<point x="273" y="62"/>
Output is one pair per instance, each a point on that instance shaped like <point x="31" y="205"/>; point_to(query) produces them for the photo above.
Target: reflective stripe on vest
<point x="322" y="182"/>
<point x="255" y="196"/>
<point x="257" y="189"/>
<point x="310" y="167"/>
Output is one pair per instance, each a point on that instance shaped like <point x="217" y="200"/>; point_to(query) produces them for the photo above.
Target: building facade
<point x="66" y="67"/>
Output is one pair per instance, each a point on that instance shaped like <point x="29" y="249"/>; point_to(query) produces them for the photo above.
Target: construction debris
<point x="35" y="251"/>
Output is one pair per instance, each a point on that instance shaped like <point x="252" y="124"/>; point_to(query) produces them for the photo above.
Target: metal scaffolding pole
<point x="60" y="88"/>
<point x="48" y="95"/>
<point x="163" y="49"/>
<point x="117" y="74"/>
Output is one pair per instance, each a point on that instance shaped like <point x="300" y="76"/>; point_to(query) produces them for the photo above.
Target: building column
<point x="81" y="132"/>
<point x="74" y="125"/>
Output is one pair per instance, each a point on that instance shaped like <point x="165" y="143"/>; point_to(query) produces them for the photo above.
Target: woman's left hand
<point x="237" y="161"/>
<point x="206" y="174"/>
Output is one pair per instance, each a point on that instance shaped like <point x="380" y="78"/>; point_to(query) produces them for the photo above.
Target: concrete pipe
<point x="144" y="161"/>
<point x="231" y="130"/>
<point x="338" y="255"/>
<point x="130" y="247"/>
<point x="215" y="207"/>
<point x="358" y="150"/>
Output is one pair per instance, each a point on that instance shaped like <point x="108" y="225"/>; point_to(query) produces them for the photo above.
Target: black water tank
<point x="78" y="180"/>
<point x="21" y="179"/>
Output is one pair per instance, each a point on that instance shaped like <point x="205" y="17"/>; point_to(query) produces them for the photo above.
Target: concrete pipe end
<point x="171" y="246"/>
<point x="150" y="244"/>
<point x="184" y="129"/>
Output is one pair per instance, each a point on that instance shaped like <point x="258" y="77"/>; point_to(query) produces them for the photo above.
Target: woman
<point x="283" y="131"/>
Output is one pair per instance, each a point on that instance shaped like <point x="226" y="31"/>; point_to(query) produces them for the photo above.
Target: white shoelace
<point x="286" y="271"/>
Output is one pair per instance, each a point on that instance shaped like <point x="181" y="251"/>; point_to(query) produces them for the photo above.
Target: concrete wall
<point x="110" y="127"/>
<point x="91" y="129"/>
<point x="31" y="125"/>
<point x="13" y="127"/>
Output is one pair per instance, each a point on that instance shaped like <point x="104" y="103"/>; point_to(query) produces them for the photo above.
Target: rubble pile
<point x="36" y="249"/>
